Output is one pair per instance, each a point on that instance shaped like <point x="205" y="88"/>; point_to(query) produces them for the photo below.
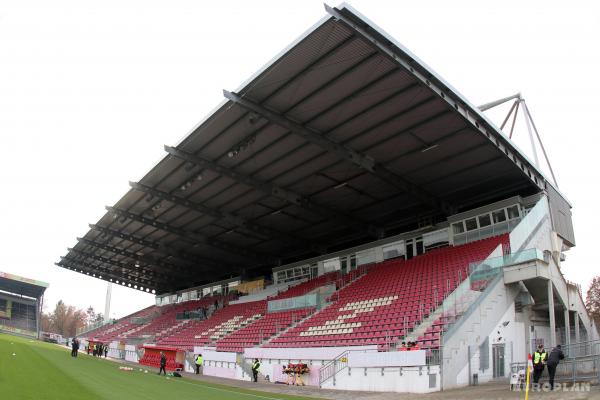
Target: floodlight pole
<point x="107" y="303"/>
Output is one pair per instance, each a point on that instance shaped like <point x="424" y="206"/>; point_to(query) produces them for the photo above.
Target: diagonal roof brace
<point x="161" y="248"/>
<point x="343" y="152"/>
<point x="276" y="191"/>
<point x="193" y="237"/>
<point x="428" y="78"/>
<point x="119" y="264"/>
<point x="151" y="262"/>
<point x="266" y="233"/>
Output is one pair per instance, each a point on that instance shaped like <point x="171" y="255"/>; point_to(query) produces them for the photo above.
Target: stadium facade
<point x="344" y="200"/>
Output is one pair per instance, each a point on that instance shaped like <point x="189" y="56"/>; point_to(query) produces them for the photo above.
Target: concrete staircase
<point x="479" y="320"/>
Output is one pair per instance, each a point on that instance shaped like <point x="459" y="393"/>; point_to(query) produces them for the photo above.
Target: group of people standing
<point x="97" y="349"/>
<point x="541" y="359"/>
<point x="406" y="346"/>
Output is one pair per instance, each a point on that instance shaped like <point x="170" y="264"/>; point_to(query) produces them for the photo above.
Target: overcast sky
<point x="91" y="91"/>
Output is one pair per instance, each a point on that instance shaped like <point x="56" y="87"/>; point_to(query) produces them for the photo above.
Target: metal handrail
<point x="334" y="366"/>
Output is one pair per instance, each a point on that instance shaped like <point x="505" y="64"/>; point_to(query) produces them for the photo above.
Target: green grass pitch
<point x="41" y="371"/>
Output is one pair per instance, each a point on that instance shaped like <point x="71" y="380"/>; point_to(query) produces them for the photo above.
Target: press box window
<point x="458" y="227"/>
<point x="499" y="216"/>
<point x="471" y="224"/>
<point x="513" y="212"/>
<point x="484" y="220"/>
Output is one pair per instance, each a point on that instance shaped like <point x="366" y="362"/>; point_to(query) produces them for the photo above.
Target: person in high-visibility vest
<point x="199" y="362"/>
<point x="539" y="362"/>
<point x="255" y="367"/>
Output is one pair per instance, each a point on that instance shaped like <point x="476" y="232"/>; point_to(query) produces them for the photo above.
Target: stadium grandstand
<point x="346" y="199"/>
<point x="21" y="301"/>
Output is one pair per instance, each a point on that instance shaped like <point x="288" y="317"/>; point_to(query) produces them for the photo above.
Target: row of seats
<point x="110" y="332"/>
<point x="261" y="330"/>
<point x="376" y="304"/>
<point x="161" y="320"/>
<point x="382" y="294"/>
<point x="222" y="323"/>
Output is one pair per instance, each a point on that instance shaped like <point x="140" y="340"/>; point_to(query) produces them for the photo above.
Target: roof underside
<point x="21" y="286"/>
<point x="342" y="139"/>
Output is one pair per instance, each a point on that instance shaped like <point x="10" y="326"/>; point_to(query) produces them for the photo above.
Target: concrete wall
<point x="388" y="379"/>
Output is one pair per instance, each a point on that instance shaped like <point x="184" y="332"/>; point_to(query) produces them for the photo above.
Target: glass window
<point x="485" y="220"/>
<point x="499" y="216"/>
<point x="513" y="212"/>
<point x="471" y="224"/>
<point x="458" y="227"/>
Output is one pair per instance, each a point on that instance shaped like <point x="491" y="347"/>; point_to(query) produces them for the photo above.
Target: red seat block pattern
<point x="389" y="301"/>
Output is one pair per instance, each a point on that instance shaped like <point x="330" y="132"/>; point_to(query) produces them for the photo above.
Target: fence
<point x="96" y="325"/>
<point x="579" y="369"/>
<point x="582" y="349"/>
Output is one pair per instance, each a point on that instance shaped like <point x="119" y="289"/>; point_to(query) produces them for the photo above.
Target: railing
<point x="483" y="275"/>
<point x="191" y="315"/>
<point x="141" y="320"/>
<point x="521" y="235"/>
<point x="468" y="293"/>
<point x="93" y="326"/>
<point x="582" y="349"/>
<point x="433" y="356"/>
<point x="579" y="369"/>
<point x="292" y="303"/>
<point x="519" y="257"/>
<point x="330" y="370"/>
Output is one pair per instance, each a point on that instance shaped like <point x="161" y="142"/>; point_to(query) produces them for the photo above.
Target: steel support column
<point x="567" y="328"/>
<point x="576" y="323"/>
<point x="551" y="313"/>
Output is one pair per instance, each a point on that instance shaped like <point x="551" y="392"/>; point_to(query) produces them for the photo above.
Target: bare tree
<point x="592" y="300"/>
<point x="64" y="320"/>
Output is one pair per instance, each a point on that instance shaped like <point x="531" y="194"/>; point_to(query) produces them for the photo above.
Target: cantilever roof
<point x="22" y="286"/>
<point x="342" y="138"/>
